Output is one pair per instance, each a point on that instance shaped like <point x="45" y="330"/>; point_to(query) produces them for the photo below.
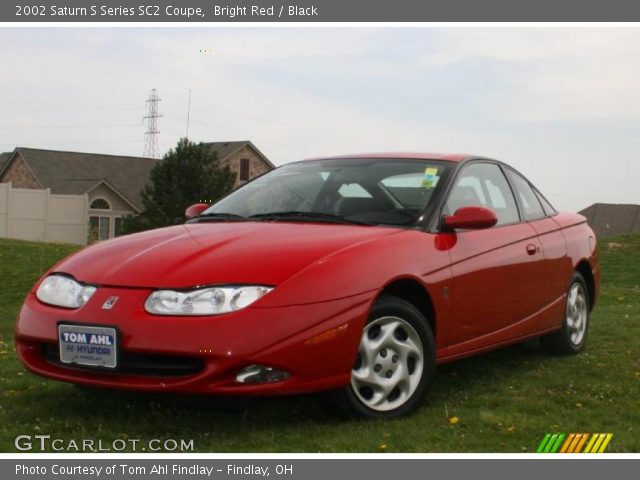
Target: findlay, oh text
<point x="157" y="469"/>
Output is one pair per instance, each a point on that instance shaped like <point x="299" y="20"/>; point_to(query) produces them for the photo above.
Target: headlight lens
<point x="64" y="291"/>
<point x="204" y="301"/>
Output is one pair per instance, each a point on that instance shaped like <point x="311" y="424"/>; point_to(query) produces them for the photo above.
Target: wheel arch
<point x="584" y="268"/>
<point x="414" y="292"/>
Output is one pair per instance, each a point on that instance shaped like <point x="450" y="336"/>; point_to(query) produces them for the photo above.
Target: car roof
<point x="449" y="157"/>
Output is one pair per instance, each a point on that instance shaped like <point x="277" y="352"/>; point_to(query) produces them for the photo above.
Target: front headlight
<point x="63" y="291"/>
<point x="204" y="301"/>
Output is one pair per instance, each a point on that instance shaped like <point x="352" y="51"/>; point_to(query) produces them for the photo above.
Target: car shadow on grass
<point x="238" y="418"/>
<point x="495" y="366"/>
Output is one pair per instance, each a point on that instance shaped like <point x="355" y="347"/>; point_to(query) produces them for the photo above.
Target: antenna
<point x="188" y="115"/>
<point x="152" y="133"/>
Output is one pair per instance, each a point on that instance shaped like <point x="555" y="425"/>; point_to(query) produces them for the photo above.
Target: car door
<point x="494" y="270"/>
<point x="555" y="264"/>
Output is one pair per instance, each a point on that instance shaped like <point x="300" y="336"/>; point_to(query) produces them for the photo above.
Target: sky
<point x="562" y="105"/>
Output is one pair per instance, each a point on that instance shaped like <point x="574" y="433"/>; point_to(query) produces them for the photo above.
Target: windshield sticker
<point x="429" y="177"/>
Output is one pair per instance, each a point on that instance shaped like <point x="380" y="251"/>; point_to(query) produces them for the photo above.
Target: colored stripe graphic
<point x="574" y="443"/>
<point x="551" y="443"/>
<point x="596" y="447"/>
<point x="605" y="442"/>
<point x="598" y="443"/>
<point x="558" y="443"/>
<point x="572" y="447"/>
<point x="590" y="444"/>
<point x="581" y="443"/>
<point x="543" y="443"/>
<point x="568" y="442"/>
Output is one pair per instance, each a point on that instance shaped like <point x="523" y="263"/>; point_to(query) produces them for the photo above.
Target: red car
<point x="355" y="275"/>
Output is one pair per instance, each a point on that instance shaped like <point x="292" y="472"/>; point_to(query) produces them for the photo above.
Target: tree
<point x="189" y="173"/>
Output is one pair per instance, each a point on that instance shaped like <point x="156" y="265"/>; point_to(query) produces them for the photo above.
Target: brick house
<point x="243" y="158"/>
<point x="112" y="183"/>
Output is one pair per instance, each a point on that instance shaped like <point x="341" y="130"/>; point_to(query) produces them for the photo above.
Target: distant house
<point x="112" y="183"/>
<point x="3" y="158"/>
<point x="608" y="219"/>
<point x="243" y="158"/>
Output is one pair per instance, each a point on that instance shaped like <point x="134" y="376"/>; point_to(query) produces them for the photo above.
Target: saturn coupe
<point x="352" y="275"/>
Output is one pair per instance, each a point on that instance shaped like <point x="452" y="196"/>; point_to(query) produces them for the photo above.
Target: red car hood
<point x="263" y="253"/>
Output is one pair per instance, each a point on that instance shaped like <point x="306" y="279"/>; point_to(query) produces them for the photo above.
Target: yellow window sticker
<point x="429" y="177"/>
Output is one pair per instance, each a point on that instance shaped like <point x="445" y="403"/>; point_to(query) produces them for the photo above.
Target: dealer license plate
<point x="84" y="345"/>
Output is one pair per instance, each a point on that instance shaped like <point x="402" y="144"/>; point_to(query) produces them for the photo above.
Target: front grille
<point x="142" y="364"/>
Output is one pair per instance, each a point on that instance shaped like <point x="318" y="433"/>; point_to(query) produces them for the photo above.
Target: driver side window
<point x="483" y="185"/>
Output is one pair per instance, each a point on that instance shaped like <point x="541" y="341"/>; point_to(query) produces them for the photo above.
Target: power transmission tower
<point x="152" y="133"/>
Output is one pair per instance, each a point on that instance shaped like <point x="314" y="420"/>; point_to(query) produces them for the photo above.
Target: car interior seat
<point x="462" y="196"/>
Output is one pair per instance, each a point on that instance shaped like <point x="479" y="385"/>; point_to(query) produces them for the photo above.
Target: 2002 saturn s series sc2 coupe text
<point x="354" y="275"/>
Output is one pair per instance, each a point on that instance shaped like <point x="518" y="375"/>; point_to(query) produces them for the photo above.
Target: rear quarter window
<point x="531" y="206"/>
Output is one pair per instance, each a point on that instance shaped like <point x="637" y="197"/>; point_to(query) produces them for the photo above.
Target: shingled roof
<point x="77" y="173"/>
<point x="3" y="158"/>
<point x="225" y="149"/>
<point x="608" y="220"/>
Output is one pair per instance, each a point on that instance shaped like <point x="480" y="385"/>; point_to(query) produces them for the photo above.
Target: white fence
<point x="40" y="216"/>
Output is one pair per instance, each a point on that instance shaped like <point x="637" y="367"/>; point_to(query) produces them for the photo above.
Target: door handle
<point x="532" y="249"/>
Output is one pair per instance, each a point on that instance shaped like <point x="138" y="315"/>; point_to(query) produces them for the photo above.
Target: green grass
<point x="505" y="400"/>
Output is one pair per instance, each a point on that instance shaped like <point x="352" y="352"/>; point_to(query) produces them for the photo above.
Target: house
<point x="112" y="183"/>
<point x="4" y="156"/>
<point x="608" y="220"/>
<point x="243" y="158"/>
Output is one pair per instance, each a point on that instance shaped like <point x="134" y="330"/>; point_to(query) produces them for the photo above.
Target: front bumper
<point x="315" y="343"/>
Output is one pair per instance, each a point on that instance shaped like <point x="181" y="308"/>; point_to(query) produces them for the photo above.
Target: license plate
<point x="84" y="345"/>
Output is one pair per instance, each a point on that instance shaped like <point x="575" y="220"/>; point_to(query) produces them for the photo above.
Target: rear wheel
<point x="572" y="337"/>
<point x="394" y="365"/>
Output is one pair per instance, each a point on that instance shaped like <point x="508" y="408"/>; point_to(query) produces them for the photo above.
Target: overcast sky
<point x="560" y="104"/>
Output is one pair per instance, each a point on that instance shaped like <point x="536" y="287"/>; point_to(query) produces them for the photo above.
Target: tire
<point x="572" y="337"/>
<point x="394" y="366"/>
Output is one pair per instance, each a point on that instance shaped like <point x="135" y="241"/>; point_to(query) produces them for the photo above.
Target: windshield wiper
<point x="306" y="217"/>
<point x="213" y="216"/>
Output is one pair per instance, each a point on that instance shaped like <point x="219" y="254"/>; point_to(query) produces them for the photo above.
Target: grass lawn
<point x="505" y="401"/>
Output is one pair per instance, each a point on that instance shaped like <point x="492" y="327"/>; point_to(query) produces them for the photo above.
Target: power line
<point x="50" y="127"/>
<point x="63" y="109"/>
<point x="76" y="143"/>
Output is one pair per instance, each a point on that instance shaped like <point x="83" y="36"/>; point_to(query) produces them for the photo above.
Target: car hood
<point x="264" y="253"/>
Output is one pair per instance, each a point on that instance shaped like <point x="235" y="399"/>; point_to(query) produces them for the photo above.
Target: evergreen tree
<point x="189" y="173"/>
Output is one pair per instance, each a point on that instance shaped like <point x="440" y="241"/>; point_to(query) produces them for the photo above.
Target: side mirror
<point x="470" y="218"/>
<point x="195" y="210"/>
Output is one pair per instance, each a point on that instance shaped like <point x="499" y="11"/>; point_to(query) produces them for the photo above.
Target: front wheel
<point x="394" y="364"/>
<point x="572" y="337"/>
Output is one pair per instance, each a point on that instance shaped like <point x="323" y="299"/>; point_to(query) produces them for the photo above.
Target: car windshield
<point x="365" y="191"/>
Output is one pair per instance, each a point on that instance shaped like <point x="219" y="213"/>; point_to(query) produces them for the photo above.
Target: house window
<point x="100" y="204"/>
<point x="244" y="169"/>
<point x="100" y="227"/>
<point x="117" y="226"/>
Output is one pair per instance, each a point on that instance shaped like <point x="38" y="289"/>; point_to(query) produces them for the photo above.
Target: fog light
<point x="261" y="374"/>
